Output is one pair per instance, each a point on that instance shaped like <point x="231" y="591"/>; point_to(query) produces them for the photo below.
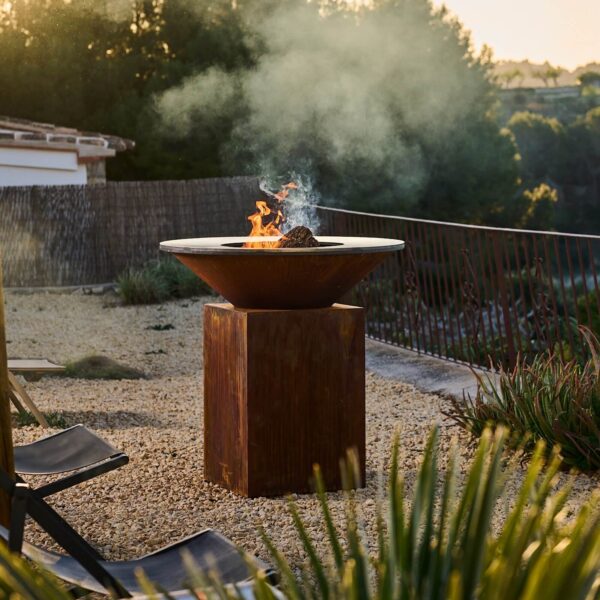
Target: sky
<point x="564" y="32"/>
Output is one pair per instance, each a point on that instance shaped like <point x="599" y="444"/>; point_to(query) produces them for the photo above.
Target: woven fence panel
<point x="81" y="235"/>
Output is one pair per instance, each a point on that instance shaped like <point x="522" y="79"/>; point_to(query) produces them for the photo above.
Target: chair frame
<point x="28" y="502"/>
<point x="79" y="476"/>
<point x="24" y="498"/>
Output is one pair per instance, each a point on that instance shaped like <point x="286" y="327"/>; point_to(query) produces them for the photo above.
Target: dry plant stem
<point x="6" y="442"/>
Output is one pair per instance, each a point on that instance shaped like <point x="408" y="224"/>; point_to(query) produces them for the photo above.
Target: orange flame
<point x="260" y="228"/>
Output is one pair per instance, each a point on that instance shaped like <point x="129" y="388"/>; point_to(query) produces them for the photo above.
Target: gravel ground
<point x="161" y="496"/>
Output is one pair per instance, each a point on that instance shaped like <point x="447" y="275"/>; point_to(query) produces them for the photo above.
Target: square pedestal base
<point x="283" y="390"/>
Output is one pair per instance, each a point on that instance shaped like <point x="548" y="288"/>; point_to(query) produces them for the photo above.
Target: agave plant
<point x="441" y="545"/>
<point x="549" y="399"/>
<point x="18" y="579"/>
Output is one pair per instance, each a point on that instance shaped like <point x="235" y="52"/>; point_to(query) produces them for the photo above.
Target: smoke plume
<point x="350" y="101"/>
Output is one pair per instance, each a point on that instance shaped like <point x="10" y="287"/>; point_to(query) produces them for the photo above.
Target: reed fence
<point x="472" y="294"/>
<point x="80" y="235"/>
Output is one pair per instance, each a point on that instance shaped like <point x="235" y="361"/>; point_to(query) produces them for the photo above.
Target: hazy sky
<point x="564" y="32"/>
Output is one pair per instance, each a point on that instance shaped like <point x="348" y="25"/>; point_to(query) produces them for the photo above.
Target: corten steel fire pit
<point x="284" y="365"/>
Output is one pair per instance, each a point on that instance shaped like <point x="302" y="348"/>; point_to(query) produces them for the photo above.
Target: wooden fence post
<point x="6" y="442"/>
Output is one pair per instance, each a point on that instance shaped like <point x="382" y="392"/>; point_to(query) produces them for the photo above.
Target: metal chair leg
<point x="18" y="514"/>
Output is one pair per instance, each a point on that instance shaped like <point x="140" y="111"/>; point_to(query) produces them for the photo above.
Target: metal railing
<point x="474" y="294"/>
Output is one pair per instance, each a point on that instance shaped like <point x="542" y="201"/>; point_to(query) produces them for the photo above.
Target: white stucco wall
<point x="33" y="166"/>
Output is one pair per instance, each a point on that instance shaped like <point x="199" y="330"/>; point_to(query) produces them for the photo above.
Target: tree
<point x="541" y="204"/>
<point x="548" y="73"/>
<point x="554" y="73"/>
<point x="542" y="75"/>
<point x="94" y="67"/>
<point x="507" y="77"/>
<point x="272" y="86"/>
<point x="589" y="78"/>
<point x="584" y="152"/>
<point x="540" y="143"/>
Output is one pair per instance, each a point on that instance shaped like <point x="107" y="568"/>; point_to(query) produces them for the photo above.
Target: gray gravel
<point x="161" y="496"/>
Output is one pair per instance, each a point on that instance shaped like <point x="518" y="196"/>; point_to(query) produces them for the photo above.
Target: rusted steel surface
<point x="474" y="294"/>
<point x="283" y="390"/>
<point x="282" y="281"/>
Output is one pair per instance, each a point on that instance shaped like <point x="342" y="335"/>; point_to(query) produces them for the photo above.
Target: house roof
<point x="31" y="134"/>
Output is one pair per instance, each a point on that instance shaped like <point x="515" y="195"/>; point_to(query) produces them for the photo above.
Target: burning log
<point x="299" y="237"/>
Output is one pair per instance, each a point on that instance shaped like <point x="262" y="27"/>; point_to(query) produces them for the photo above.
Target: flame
<point x="284" y="192"/>
<point x="274" y="217"/>
<point x="260" y="229"/>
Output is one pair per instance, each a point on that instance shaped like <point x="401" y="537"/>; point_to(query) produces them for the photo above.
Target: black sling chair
<point x="85" y="568"/>
<point x="76" y="450"/>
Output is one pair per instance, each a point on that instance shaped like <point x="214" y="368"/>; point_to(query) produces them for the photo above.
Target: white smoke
<point x="355" y="86"/>
<point x="212" y="94"/>
<point x="299" y="206"/>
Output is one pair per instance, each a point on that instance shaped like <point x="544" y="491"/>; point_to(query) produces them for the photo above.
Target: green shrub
<point x="141" y="287"/>
<point x="547" y="399"/>
<point x="181" y="282"/>
<point x="100" y="367"/>
<point x="54" y="419"/>
<point x="158" y="281"/>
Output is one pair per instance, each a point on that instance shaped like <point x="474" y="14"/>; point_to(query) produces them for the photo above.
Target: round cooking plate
<point x="329" y="244"/>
